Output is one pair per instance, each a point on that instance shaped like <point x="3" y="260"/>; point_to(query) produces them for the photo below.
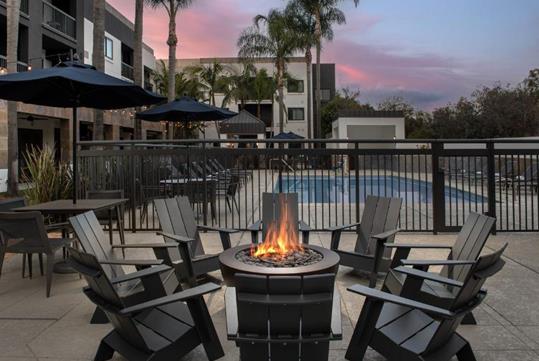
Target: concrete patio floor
<point x="33" y="327"/>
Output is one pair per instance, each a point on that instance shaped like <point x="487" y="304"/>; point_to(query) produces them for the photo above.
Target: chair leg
<point x="40" y="257"/>
<point x="364" y="330"/>
<point x="466" y="353"/>
<point x="2" y="255"/>
<point x="99" y="317"/>
<point x="23" y="265"/>
<point x="104" y="352"/>
<point x="29" y="255"/>
<point x="49" y="270"/>
<point x="469" y="319"/>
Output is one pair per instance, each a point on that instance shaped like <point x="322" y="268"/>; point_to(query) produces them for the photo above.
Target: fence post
<point x="133" y="190"/>
<point x="491" y="182"/>
<point x="356" y="169"/>
<point x="438" y="191"/>
<point x="205" y="185"/>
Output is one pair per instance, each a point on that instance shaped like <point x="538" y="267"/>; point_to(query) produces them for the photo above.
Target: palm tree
<point x="98" y="58"/>
<point x="137" y="58"/>
<point x="172" y="7"/>
<point x="263" y="88"/>
<point x="325" y="13"/>
<point x="212" y="79"/>
<point x="239" y="85"/>
<point x="13" y="8"/>
<point x="276" y="41"/>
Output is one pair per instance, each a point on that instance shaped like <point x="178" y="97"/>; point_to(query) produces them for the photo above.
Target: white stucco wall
<point x="342" y="128"/>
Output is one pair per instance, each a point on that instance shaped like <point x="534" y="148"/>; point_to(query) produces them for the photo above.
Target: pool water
<point x="343" y="189"/>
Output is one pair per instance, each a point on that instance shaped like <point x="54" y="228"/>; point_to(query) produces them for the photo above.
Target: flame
<point x="281" y="238"/>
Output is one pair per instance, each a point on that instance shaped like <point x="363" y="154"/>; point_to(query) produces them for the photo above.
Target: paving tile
<point x="15" y="335"/>
<point x="491" y="338"/>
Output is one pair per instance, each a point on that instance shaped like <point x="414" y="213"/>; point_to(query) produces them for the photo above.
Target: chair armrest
<point x="176" y="238"/>
<point x="255" y="226"/>
<point x="418" y="245"/>
<point x="217" y="229"/>
<point x="186" y="295"/>
<point x="410" y="272"/>
<point x="140" y="274"/>
<point x="303" y="227"/>
<point x="414" y="262"/>
<point x="375" y="294"/>
<point x="231" y="312"/>
<point x="57" y="226"/>
<point x="386" y="235"/>
<point x="336" y="321"/>
<point x="133" y="262"/>
<point x="342" y="227"/>
<point x="146" y="245"/>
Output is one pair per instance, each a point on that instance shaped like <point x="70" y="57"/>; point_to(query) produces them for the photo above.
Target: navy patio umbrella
<point x="185" y="109"/>
<point x="74" y="85"/>
<point x="287" y="136"/>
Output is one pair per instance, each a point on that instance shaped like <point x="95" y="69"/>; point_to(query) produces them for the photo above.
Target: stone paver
<point x="35" y="328"/>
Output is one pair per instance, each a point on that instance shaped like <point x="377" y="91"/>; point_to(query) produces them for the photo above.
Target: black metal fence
<point x="440" y="182"/>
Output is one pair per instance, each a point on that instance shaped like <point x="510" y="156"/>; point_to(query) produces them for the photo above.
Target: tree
<point x="325" y="14"/>
<point x="212" y="79"/>
<point x="13" y="9"/>
<point x="184" y="83"/>
<point x="263" y="88"/>
<point x="98" y="58"/>
<point x="345" y="99"/>
<point x="172" y="7"/>
<point x="239" y="85"/>
<point x="138" y="69"/>
<point x="277" y="41"/>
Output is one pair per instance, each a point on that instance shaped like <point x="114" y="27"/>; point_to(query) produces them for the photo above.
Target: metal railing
<point x="21" y="66"/>
<point x="439" y="181"/>
<point x="59" y="20"/>
<point x="127" y="71"/>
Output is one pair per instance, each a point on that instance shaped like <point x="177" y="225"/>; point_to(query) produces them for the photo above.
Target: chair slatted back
<point x="284" y="307"/>
<point x="103" y="294"/>
<point x="273" y="204"/>
<point x="470" y="241"/>
<point x="7" y="205"/>
<point x="27" y="226"/>
<point x="485" y="267"/>
<point x="380" y="214"/>
<point x="94" y="241"/>
<point x="177" y="217"/>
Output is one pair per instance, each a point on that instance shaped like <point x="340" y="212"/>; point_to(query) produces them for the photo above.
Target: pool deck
<point x="33" y="327"/>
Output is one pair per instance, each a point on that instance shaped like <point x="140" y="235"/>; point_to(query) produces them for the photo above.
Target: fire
<point x="281" y="238"/>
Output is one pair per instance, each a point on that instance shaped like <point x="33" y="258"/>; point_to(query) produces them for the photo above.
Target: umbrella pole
<point x="74" y="151"/>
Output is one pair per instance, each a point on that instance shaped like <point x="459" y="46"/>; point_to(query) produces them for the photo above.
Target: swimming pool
<point x="343" y="189"/>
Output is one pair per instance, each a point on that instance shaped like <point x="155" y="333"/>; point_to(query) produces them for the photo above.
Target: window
<point x="295" y="86"/>
<point x="109" y="48"/>
<point x="296" y="114"/>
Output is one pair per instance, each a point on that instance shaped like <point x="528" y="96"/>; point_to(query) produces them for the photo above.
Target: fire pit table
<point x="313" y="260"/>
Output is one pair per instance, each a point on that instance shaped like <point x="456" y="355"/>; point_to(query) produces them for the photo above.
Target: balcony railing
<point x="24" y="6"/>
<point x="127" y="71"/>
<point x="21" y="66"/>
<point x="59" y="20"/>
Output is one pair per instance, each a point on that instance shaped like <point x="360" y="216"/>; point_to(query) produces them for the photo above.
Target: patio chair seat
<point x="433" y="289"/>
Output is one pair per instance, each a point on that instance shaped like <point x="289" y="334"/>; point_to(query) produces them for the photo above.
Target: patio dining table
<point x="64" y="208"/>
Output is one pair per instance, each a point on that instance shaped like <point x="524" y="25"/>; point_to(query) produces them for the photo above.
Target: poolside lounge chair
<point x="25" y="233"/>
<point x="287" y="317"/>
<point x="378" y="226"/>
<point x="467" y="247"/>
<point x="178" y="223"/>
<point x="92" y="239"/>
<point x="400" y="328"/>
<point x="272" y="204"/>
<point x="165" y="328"/>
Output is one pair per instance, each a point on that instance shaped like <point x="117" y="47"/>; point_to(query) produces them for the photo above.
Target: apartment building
<point x="51" y="31"/>
<point x="295" y="93"/>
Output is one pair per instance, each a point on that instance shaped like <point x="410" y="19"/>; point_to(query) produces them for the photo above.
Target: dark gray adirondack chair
<point x="93" y="241"/>
<point x="400" y="328"/>
<point x="179" y="224"/>
<point x="470" y="241"/>
<point x="378" y="226"/>
<point x="283" y="317"/>
<point x="272" y="205"/>
<point x="163" y="329"/>
<point x="25" y="233"/>
<point x="105" y="217"/>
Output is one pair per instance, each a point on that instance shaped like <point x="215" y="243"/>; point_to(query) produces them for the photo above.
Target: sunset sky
<point x="428" y="51"/>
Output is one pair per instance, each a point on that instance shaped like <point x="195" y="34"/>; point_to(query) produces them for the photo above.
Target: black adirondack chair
<point x="179" y="224"/>
<point x="400" y="328"/>
<point x="467" y="247"/>
<point x="283" y="318"/>
<point x="25" y="233"/>
<point x="105" y="217"/>
<point x="165" y="328"/>
<point x="272" y="205"/>
<point x="92" y="239"/>
<point x="378" y="226"/>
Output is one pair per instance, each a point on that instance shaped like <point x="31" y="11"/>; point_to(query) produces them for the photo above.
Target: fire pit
<point x="281" y="253"/>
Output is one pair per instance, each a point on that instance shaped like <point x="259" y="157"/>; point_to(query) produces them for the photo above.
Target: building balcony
<point x="127" y="71"/>
<point x="59" y="21"/>
<point x="21" y="66"/>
